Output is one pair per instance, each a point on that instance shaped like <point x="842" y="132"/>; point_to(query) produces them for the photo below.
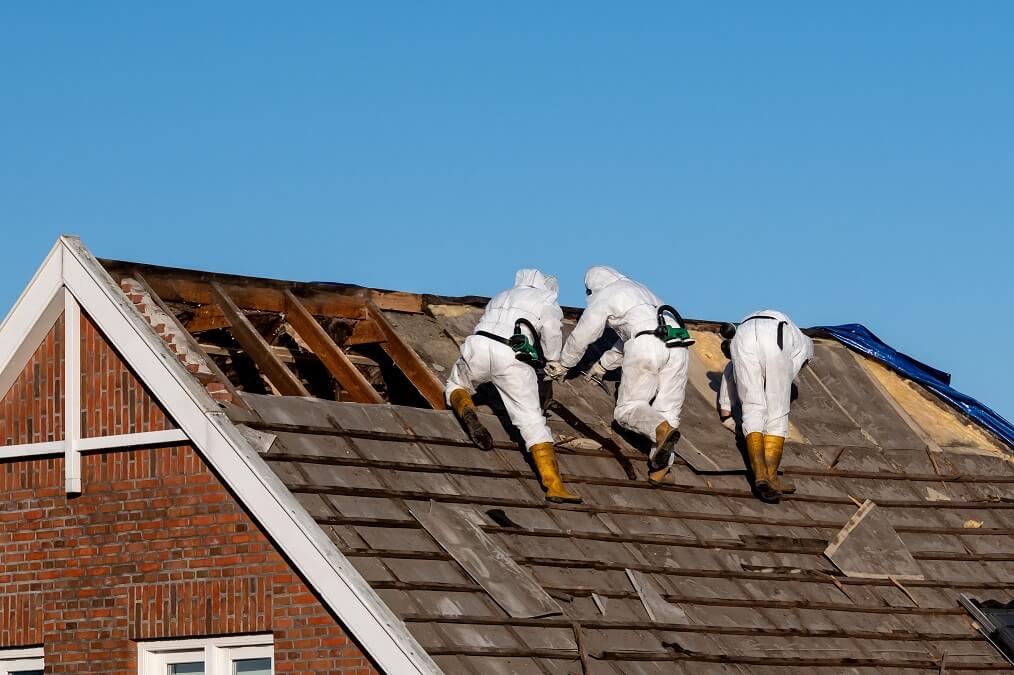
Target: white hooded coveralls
<point x="760" y="375"/>
<point x="534" y="297"/>
<point x="654" y="376"/>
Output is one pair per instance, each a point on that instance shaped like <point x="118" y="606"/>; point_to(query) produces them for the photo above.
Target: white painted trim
<point x="218" y="654"/>
<point x="123" y="441"/>
<point x="21" y="653"/>
<point x="19" y="660"/>
<point x="118" y="442"/>
<point x="72" y="392"/>
<point x="343" y="589"/>
<point x="31" y="318"/>
<point x="31" y="450"/>
<point x="246" y="640"/>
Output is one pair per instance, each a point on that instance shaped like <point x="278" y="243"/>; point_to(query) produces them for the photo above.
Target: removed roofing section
<point x="858" y="337"/>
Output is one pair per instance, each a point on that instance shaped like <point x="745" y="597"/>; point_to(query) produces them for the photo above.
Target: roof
<point x="692" y="576"/>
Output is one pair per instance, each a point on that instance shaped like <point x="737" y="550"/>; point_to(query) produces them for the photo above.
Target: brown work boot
<point x="758" y="465"/>
<point x="549" y="473"/>
<point x="464" y="408"/>
<point x="773" y="448"/>
<point x="662" y="456"/>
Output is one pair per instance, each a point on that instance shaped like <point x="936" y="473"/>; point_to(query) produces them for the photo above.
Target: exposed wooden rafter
<point x="191" y="343"/>
<point x="406" y="358"/>
<point x="256" y="347"/>
<point x="327" y="351"/>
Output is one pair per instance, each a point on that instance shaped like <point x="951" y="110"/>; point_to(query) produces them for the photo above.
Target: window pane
<point x="252" y="667"/>
<point x="192" y="668"/>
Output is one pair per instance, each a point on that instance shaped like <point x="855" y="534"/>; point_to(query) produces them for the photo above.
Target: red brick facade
<point x="155" y="547"/>
<point x="32" y="411"/>
<point x="113" y="401"/>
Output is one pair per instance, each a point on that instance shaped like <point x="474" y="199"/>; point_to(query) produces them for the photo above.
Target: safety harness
<point x="525" y="350"/>
<point x="672" y="336"/>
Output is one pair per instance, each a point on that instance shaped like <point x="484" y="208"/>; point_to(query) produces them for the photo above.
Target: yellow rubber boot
<point x="773" y="448"/>
<point x="758" y="465"/>
<point x="464" y="408"/>
<point x="549" y="473"/>
<point x="661" y="457"/>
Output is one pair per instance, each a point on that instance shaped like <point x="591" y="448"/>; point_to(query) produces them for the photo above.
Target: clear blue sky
<point x="839" y="161"/>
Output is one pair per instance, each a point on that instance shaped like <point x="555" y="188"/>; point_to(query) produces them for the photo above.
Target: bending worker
<point x="654" y="357"/>
<point x="504" y="350"/>
<point x="767" y="352"/>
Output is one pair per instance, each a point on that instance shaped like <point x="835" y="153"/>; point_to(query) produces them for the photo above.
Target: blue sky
<point x="839" y="161"/>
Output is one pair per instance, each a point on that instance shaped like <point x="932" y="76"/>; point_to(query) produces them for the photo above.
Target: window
<point x="21" y="661"/>
<point x="237" y="655"/>
<point x="996" y="622"/>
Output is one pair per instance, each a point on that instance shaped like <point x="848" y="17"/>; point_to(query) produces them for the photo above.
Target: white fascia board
<point x="31" y="318"/>
<point x="366" y="616"/>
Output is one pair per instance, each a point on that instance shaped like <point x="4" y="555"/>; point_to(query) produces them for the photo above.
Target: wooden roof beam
<point x="406" y="358"/>
<point x="327" y="351"/>
<point x="205" y="318"/>
<point x="191" y="342"/>
<point x="348" y="304"/>
<point x="256" y="347"/>
<point x="365" y="332"/>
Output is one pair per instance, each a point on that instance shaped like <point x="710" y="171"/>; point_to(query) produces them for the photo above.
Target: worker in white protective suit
<point x="767" y="352"/>
<point x="654" y="381"/>
<point x="529" y="309"/>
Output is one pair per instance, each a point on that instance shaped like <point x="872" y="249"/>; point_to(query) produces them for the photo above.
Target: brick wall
<point x="113" y="400"/>
<point x="155" y="547"/>
<point x="32" y="411"/>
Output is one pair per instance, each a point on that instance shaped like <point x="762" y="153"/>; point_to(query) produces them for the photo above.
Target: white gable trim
<point x="381" y="633"/>
<point x="31" y="319"/>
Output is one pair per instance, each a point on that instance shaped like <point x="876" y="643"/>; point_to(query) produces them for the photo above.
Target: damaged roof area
<point x="902" y="507"/>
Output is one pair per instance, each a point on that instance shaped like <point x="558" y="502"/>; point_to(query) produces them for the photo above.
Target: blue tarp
<point x="858" y="337"/>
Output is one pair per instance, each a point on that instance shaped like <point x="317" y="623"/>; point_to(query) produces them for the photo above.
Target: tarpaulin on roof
<point x="858" y="337"/>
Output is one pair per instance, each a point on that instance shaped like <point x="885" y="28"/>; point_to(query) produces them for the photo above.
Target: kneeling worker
<point x="767" y="352"/>
<point x="655" y="359"/>
<point x="504" y="350"/>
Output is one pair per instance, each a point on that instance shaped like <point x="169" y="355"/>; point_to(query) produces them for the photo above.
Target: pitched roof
<point x="693" y="576"/>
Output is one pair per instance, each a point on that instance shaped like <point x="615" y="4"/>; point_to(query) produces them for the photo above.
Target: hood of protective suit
<point x="536" y="279"/>
<point x="597" y="278"/>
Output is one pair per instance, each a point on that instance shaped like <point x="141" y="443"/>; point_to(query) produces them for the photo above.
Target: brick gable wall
<point x="156" y="547"/>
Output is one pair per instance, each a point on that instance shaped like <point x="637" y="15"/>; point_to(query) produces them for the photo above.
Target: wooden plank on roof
<point x="510" y="585"/>
<point x="406" y="358"/>
<point x="267" y="295"/>
<point x="256" y="347"/>
<point x="327" y="351"/>
<point x="868" y="547"/>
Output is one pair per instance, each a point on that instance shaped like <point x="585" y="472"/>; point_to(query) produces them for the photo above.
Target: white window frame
<point x="15" y="660"/>
<point x="218" y="654"/>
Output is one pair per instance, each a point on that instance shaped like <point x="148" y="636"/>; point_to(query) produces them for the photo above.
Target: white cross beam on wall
<point x="33" y="316"/>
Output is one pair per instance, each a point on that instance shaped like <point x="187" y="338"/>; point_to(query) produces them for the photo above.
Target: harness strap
<point x="494" y="337"/>
<point x="781" y="327"/>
